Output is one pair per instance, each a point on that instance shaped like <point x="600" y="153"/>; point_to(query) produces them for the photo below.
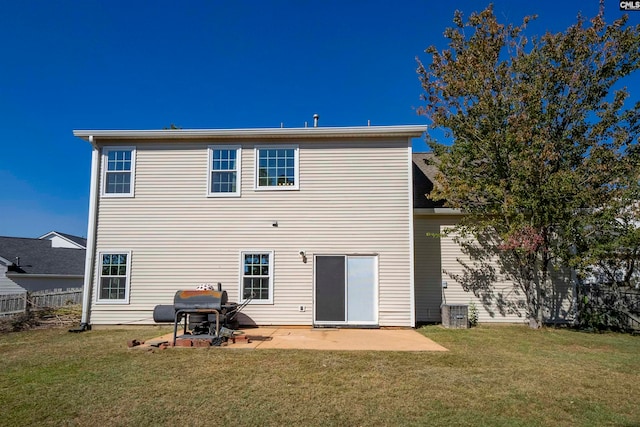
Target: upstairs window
<point x="277" y="167"/>
<point x="119" y="171"/>
<point x="224" y="171"/>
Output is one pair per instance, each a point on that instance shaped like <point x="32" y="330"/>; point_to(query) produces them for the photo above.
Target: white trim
<point x="89" y="266"/>
<point x="132" y="171"/>
<point x="296" y="161"/>
<point x="412" y="284"/>
<point x="401" y="131"/>
<point x="238" y="170"/>
<point x="271" y="274"/>
<point x="127" y="290"/>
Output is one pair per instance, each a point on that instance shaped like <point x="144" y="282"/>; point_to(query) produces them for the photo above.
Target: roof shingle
<point x="36" y="256"/>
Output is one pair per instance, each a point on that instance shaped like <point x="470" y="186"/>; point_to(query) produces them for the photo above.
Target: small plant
<point x="473" y="314"/>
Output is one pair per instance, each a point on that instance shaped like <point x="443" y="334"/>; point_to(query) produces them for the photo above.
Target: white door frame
<point x="347" y="322"/>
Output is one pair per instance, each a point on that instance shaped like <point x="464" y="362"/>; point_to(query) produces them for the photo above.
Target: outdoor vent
<point x="455" y="316"/>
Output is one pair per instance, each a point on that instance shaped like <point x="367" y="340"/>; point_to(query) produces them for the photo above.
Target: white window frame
<point x="270" y="276"/>
<point x="99" y="276"/>
<point x="296" y="166"/>
<point x="132" y="171"/>
<point x="237" y="170"/>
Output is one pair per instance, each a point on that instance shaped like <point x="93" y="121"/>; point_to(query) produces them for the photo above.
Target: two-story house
<point x="315" y="223"/>
<point x="323" y="226"/>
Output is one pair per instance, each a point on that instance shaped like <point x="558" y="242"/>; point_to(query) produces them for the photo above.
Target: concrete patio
<point x="306" y="338"/>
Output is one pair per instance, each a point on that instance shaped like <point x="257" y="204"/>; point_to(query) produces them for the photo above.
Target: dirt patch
<point x="42" y="318"/>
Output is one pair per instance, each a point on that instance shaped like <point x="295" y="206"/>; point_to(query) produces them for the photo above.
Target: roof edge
<point x="407" y="131"/>
<point x="437" y="211"/>
<point x="43" y="275"/>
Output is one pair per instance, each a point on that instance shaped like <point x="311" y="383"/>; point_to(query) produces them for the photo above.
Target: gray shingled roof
<point x="36" y="256"/>
<point x="424" y="180"/>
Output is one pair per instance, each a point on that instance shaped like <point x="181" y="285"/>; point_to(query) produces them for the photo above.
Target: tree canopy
<point x="545" y="143"/>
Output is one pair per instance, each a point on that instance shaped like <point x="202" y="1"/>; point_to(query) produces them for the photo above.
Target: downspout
<point x="91" y="236"/>
<point x="412" y="280"/>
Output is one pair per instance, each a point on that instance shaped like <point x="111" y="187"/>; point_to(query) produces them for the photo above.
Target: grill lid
<point x="193" y="300"/>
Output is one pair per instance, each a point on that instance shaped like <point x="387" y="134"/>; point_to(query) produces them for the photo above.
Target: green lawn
<point x="492" y="375"/>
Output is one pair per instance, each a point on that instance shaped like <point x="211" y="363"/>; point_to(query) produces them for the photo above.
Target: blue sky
<point x="205" y="64"/>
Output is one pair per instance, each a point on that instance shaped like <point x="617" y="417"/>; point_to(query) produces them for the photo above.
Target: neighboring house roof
<point x="424" y="181"/>
<point x="79" y="242"/>
<point x="37" y="256"/>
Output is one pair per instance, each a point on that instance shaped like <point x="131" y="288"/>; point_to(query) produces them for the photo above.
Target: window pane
<point x="118" y="182"/>
<point x="255" y="279"/>
<point x="119" y="160"/>
<point x="258" y="287"/>
<point x="112" y="288"/>
<point x="224" y="173"/>
<point x="113" y="279"/>
<point x="276" y="167"/>
<point x="223" y="182"/>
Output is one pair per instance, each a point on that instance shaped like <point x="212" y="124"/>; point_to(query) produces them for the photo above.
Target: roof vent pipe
<point x="315" y="120"/>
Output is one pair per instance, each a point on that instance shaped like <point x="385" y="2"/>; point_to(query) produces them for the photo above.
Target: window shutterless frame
<point x="256" y="276"/>
<point x="118" y="171"/>
<point x="225" y="171"/>
<point x="114" y="277"/>
<point x="277" y="167"/>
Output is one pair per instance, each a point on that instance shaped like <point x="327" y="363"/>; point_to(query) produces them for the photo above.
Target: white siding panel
<point x="353" y="199"/>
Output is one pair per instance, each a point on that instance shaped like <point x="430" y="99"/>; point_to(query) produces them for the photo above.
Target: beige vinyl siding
<point x="428" y="268"/>
<point x="353" y="199"/>
<point x="558" y="305"/>
<point x="454" y="293"/>
<point x="437" y="260"/>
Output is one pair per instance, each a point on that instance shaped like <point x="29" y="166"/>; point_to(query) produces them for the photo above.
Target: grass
<point x="492" y="375"/>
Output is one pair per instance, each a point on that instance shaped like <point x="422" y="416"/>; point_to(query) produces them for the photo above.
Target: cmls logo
<point x="630" y="5"/>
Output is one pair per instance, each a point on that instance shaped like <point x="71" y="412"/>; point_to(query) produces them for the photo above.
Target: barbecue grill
<point x="207" y="315"/>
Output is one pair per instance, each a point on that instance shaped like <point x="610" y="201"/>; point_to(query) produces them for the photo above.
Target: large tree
<point x="543" y="140"/>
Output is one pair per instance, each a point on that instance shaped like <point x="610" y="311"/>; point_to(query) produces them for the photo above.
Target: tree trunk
<point x="532" y="292"/>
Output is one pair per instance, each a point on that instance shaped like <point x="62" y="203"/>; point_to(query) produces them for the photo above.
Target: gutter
<point x="412" y="256"/>
<point x="43" y="276"/>
<point x="438" y="211"/>
<point x="91" y="236"/>
<point x="409" y="131"/>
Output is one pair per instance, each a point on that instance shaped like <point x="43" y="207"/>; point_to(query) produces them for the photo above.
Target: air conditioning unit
<point x="455" y="316"/>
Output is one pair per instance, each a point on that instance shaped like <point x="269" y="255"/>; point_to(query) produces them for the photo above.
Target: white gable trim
<point x="68" y="243"/>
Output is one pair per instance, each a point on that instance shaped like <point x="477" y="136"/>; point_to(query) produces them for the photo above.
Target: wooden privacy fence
<point x="18" y="303"/>
<point x="606" y="306"/>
